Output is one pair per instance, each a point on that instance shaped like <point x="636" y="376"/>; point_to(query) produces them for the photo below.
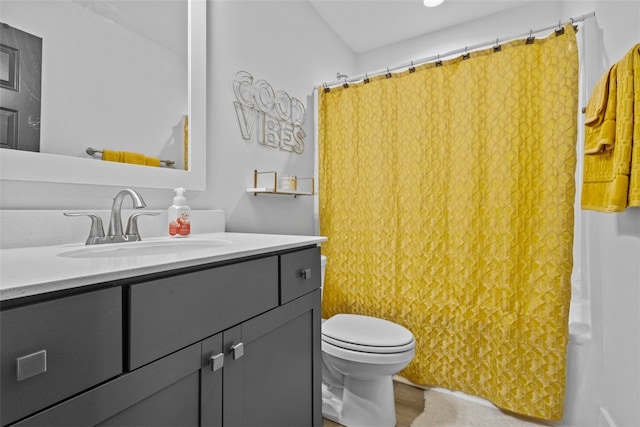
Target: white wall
<point x="287" y="44"/>
<point x="603" y="374"/>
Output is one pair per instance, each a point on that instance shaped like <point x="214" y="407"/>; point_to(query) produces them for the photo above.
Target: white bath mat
<point x="446" y="409"/>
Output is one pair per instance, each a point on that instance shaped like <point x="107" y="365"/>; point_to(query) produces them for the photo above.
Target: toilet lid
<point x="366" y="333"/>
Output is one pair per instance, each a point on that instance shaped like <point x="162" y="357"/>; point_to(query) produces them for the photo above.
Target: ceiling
<point x="366" y="25"/>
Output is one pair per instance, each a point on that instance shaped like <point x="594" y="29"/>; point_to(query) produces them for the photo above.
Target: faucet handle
<point x="132" y="224"/>
<point x="97" y="230"/>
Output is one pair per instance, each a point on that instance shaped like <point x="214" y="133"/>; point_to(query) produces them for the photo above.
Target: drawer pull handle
<point x="237" y="351"/>
<point x="216" y="362"/>
<point x="31" y="365"/>
<point x="306" y="274"/>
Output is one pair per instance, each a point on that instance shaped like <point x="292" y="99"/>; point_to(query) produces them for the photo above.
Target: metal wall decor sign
<point x="271" y="118"/>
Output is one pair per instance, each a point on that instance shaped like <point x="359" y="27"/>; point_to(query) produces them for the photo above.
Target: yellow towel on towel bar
<point x="130" y="157"/>
<point x="611" y="178"/>
<point x="134" y="158"/>
<point x="600" y="115"/>
<point x="152" y="161"/>
<point x="112" y="156"/>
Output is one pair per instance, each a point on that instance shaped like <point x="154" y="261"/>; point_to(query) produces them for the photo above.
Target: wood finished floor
<point x="409" y="404"/>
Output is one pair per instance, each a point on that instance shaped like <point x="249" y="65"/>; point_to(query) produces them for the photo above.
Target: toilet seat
<point x="367" y="334"/>
<point x="368" y="348"/>
<point x="372" y="358"/>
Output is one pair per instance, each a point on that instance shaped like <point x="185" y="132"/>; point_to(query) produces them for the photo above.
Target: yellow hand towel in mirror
<point x="135" y="158"/>
<point x="112" y="156"/>
<point x="152" y="161"/>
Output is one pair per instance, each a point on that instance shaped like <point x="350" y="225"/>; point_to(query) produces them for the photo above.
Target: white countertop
<point x="36" y="270"/>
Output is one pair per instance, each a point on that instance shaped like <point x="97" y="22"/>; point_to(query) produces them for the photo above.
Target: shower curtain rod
<point x="463" y="50"/>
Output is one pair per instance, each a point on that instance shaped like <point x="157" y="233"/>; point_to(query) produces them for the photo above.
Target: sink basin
<point x="146" y="248"/>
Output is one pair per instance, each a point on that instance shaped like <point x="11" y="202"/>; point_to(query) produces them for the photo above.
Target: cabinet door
<point x="276" y="381"/>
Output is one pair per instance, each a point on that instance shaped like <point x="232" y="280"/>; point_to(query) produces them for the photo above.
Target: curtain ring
<point x="326" y="88"/>
<point x="388" y="75"/>
<point x="466" y="54"/>
<point x="560" y="29"/>
<point x="412" y="68"/>
<point x="573" y="24"/>
<point x="366" y="77"/>
<point x="438" y="62"/>
<point x="497" y="47"/>
<point x="345" y="84"/>
<point x="530" y="39"/>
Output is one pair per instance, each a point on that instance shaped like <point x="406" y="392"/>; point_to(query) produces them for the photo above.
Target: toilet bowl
<point x="360" y="355"/>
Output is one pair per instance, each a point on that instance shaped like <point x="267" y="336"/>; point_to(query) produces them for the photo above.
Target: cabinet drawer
<point x="54" y="349"/>
<point x="163" y="393"/>
<point x="171" y="313"/>
<point x="299" y="273"/>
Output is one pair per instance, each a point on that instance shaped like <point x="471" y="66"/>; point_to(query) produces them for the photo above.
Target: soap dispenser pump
<point x="179" y="215"/>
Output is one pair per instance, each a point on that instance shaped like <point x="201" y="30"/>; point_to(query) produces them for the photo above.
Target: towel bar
<point x="91" y="151"/>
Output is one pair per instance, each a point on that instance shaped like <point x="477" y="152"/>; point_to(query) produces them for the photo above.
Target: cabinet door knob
<point x="237" y="351"/>
<point x="31" y="365"/>
<point x="306" y="274"/>
<point x="216" y="362"/>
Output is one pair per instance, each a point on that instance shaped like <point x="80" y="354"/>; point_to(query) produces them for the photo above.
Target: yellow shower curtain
<point x="447" y="196"/>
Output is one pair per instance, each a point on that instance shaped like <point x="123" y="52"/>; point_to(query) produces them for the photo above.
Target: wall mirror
<point x="140" y="79"/>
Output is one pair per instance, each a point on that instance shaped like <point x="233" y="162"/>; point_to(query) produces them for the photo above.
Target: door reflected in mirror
<point x="20" y="71"/>
<point x="115" y="78"/>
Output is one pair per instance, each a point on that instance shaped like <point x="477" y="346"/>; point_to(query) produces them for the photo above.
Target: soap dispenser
<point x="179" y="215"/>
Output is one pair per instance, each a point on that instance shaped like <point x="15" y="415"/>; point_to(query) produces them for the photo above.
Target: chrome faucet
<point x="116" y="234"/>
<point x="115" y="221"/>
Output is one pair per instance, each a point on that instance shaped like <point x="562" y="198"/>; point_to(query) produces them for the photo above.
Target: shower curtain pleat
<point x="447" y="196"/>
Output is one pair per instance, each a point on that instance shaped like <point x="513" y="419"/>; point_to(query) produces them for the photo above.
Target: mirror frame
<point x="42" y="167"/>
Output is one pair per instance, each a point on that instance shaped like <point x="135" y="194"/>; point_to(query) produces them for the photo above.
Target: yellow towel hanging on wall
<point x="611" y="178"/>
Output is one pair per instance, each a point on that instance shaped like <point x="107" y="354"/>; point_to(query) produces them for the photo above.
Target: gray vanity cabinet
<point x="262" y="365"/>
<point x="234" y="344"/>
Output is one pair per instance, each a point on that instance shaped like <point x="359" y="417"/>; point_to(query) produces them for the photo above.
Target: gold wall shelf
<point x="272" y="185"/>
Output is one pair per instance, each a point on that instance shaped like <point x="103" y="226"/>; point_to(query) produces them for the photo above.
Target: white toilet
<point x="360" y="355"/>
